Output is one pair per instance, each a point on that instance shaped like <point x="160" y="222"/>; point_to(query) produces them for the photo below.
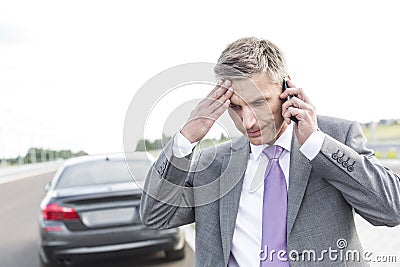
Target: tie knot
<point x="273" y="152"/>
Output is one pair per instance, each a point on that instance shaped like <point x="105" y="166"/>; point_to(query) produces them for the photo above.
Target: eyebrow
<point x="258" y="100"/>
<point x="252" y="102"/>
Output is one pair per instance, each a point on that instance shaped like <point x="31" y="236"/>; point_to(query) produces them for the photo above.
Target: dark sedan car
<point x="91" y="209"/>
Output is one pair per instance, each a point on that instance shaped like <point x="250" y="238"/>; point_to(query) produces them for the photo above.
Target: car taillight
<point x="57" y="213"/>
<point x="53" y="229"/>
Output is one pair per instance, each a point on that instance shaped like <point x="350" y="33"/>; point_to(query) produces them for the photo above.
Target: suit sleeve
<point x="371" y="189"/>
<point x="167" y="199"/>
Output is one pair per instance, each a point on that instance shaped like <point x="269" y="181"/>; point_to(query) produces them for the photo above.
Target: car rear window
<point x="102" y="172"/>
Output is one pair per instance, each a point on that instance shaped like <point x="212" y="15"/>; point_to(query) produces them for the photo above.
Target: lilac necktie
<point x="274" y="211"/>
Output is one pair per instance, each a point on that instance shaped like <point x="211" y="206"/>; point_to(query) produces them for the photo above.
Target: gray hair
<point x="248" y="56"/>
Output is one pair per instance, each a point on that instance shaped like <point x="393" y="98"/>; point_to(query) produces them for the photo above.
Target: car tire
<point x="175" y="254"/>
<point x="44" y="264"/>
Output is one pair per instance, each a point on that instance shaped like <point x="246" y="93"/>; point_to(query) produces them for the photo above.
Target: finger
<point x="216" y="113"/>
<point x="297" y="92"/>
<point x="219" y="83"/>
<point x="286" y="117"/>
<point x="290" y="84"/>
<point x="291" y="111"/>
<point x="301" y="114"/>
<point x="220" y="110"/>
<point x="217" y="92"/>
<point x="297" y="103"/>
<point x="220" y="89"/>
<point x="210" y="104"/>
<point x="291" y="92"/>
<point x="220" y="101"/>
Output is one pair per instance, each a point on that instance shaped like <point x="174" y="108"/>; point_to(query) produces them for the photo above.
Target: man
<point x="317" y="173"/>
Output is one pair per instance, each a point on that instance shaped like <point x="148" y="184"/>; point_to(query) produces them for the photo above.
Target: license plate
<point x="110" y="217"/>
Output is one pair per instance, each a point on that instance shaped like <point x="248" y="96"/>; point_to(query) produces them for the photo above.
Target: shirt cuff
<point x="182" y="146"/>
<point x="313" y="145"/>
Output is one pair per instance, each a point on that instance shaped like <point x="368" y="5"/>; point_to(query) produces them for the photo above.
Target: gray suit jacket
<point x="323" y="195"/>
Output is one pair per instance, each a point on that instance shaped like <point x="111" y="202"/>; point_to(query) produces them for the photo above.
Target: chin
<point x="260" y="140"/>
<point x="256" y="140"/>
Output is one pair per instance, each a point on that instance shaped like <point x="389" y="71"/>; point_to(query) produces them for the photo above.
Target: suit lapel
<point x="231" y="182"/>
<point x="299" y="172"/>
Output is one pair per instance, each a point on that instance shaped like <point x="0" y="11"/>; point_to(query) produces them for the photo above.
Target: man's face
<point x="256" y="108"/>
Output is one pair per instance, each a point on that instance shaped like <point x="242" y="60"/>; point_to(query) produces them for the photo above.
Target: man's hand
<point x="300" y="107"/>
<point x="207" y="112"/>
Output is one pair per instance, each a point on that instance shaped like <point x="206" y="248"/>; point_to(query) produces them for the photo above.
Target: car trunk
<point x="101" y="206"/>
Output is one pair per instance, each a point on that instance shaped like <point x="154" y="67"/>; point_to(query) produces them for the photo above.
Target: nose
<point x="248" y="118"/>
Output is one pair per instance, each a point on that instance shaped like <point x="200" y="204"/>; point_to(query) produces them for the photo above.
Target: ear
<point x="289" y="77"/>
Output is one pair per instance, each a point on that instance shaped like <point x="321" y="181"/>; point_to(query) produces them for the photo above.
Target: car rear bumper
<point x="65" y="247"/>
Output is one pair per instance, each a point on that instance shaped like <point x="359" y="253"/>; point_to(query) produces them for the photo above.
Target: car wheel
<point x="44" y="264"/>
<point x="175" y="254"/>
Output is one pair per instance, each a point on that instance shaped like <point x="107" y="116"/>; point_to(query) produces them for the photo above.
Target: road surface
<point x="19" y="210"/>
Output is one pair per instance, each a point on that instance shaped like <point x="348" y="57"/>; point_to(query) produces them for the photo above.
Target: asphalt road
<point x="19" y="237"/>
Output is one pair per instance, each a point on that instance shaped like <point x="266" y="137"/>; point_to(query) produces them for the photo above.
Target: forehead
<point x="252" y="88"/>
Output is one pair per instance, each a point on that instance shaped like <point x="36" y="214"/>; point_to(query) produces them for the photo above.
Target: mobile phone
<point x="284" y="86"/>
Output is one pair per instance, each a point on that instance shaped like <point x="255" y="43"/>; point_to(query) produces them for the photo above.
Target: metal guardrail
<point x="13" y="173"/>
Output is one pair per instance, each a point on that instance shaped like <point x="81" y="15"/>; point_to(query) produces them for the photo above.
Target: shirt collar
<point x="284" y="141"/>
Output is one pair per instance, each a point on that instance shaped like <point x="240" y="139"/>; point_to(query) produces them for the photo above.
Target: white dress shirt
<point x="246" y="243"/>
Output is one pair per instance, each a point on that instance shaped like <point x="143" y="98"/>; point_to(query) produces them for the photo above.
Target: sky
<point x="70" y="69"/>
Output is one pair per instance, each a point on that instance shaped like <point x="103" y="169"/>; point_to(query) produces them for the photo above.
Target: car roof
<point x="137" y="155"/>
